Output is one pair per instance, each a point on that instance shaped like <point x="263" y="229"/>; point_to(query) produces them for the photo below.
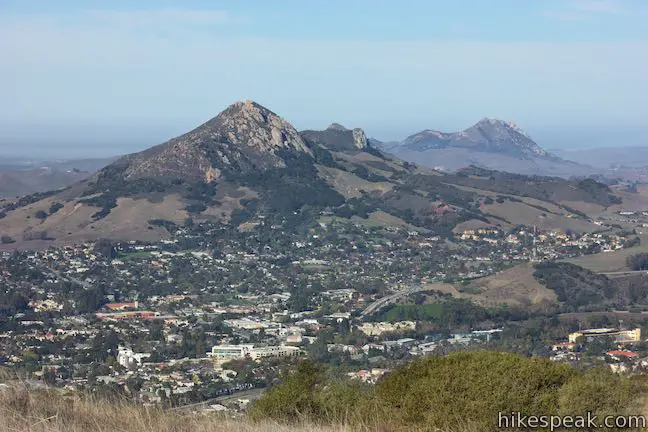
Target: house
<point x="342" y="348"/>
<point x="619" y="355"/>
<point x="339" y="316"/>
<point x="563" y="346"/>
<point x="406" y="342"/>
<point x="378" y="328"/>
<point x="127" y="358"/>
<point x="369" y="376"/>
<point x="122" y="306"/>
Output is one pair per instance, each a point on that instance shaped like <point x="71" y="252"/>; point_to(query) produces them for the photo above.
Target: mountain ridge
<point x="490" y="143"/>
<point x="248" y="165"/>
<point x="488" y="134"/>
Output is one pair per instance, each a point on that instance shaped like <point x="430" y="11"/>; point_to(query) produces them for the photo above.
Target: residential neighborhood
<point x="214" y="311"/>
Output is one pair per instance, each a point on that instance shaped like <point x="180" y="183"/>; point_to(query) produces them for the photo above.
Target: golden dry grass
<point x="23" y="410"/>
<point x="515" y="286"/>
<point x="610" y="261"/>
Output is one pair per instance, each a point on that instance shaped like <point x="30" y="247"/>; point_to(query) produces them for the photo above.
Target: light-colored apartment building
<point x="632" y="335"/>
<point x="234" y="352"/>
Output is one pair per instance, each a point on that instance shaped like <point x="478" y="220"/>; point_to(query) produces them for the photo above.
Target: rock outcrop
<point x="359" y="139"/>
<point x="337" y="137"/>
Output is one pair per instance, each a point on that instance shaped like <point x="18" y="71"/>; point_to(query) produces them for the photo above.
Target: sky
<point x="106" y="77"/>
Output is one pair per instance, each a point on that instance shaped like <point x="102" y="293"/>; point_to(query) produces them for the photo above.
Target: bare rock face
<point x="503" y="136"/>
<point x="249" y="124"/>
<point x="337" y="137"/>
<point x="212" y="174"/>
<point x="359" y="139"/>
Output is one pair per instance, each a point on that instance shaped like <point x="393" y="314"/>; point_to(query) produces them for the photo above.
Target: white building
<point x="378" y="328"/>
<point x="249" y="324"/>
<point x="127" y="358"/>
<point x="233" y="352"/>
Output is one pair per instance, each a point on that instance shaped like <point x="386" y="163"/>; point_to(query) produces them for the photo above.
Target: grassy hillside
<point x="610" y="261"/>
<point x="516" y="286"/>
<point x="23" y="410"/>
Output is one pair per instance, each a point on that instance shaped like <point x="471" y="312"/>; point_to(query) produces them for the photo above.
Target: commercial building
<point x="621" y="336"/>
<point x="234" y="352"/>
<point x="378" y="328"/>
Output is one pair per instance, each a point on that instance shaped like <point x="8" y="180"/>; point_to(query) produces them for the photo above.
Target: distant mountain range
<point x="22" y="176"/>
<point x="247" y="167"/>
<point x="490" y="143"/>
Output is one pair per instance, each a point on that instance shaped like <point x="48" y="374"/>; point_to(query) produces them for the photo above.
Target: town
<point x="208" y="317"/>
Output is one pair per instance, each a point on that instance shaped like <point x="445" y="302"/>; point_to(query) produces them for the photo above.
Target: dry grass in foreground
<point x="23" y="410"/>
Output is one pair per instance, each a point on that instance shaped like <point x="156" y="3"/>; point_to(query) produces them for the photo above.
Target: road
<point x="57" y="274"/>
<point x="623" y="273"/>
<point x="245" y="394"/>
<point x="373" y="307"/>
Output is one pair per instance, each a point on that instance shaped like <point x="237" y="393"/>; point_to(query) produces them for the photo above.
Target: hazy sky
<point x="105" y="77"/>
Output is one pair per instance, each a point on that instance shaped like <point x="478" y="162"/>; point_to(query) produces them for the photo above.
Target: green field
<point x="424" y="312"/>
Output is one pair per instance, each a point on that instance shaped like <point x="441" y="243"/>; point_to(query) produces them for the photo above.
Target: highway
<point x="373" y="307"/>
<point x="244" y="394"/>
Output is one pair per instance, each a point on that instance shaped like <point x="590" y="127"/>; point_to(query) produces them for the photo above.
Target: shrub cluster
<point x="449" y="393"/>
<point x="638" y="261"/>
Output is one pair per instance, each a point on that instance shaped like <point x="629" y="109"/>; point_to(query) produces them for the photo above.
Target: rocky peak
<point x="488" y="135"/>
<point x="424" y="135"/>
<point x="488" y="122"/>
<point x="337" y="127"/>
<point x="426" y="139"/>
<point x="250" y="124"/>
<point x="337" y="137"/>
<point x="357" y="134"/>
<point x="505" y="135"/>
<point x="244" y="137"/>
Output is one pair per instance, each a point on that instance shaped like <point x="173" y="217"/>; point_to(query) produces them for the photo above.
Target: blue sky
<point x="106" y="77"/>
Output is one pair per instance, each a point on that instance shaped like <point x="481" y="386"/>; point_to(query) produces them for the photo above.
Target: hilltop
<point x="249" y="165"/>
